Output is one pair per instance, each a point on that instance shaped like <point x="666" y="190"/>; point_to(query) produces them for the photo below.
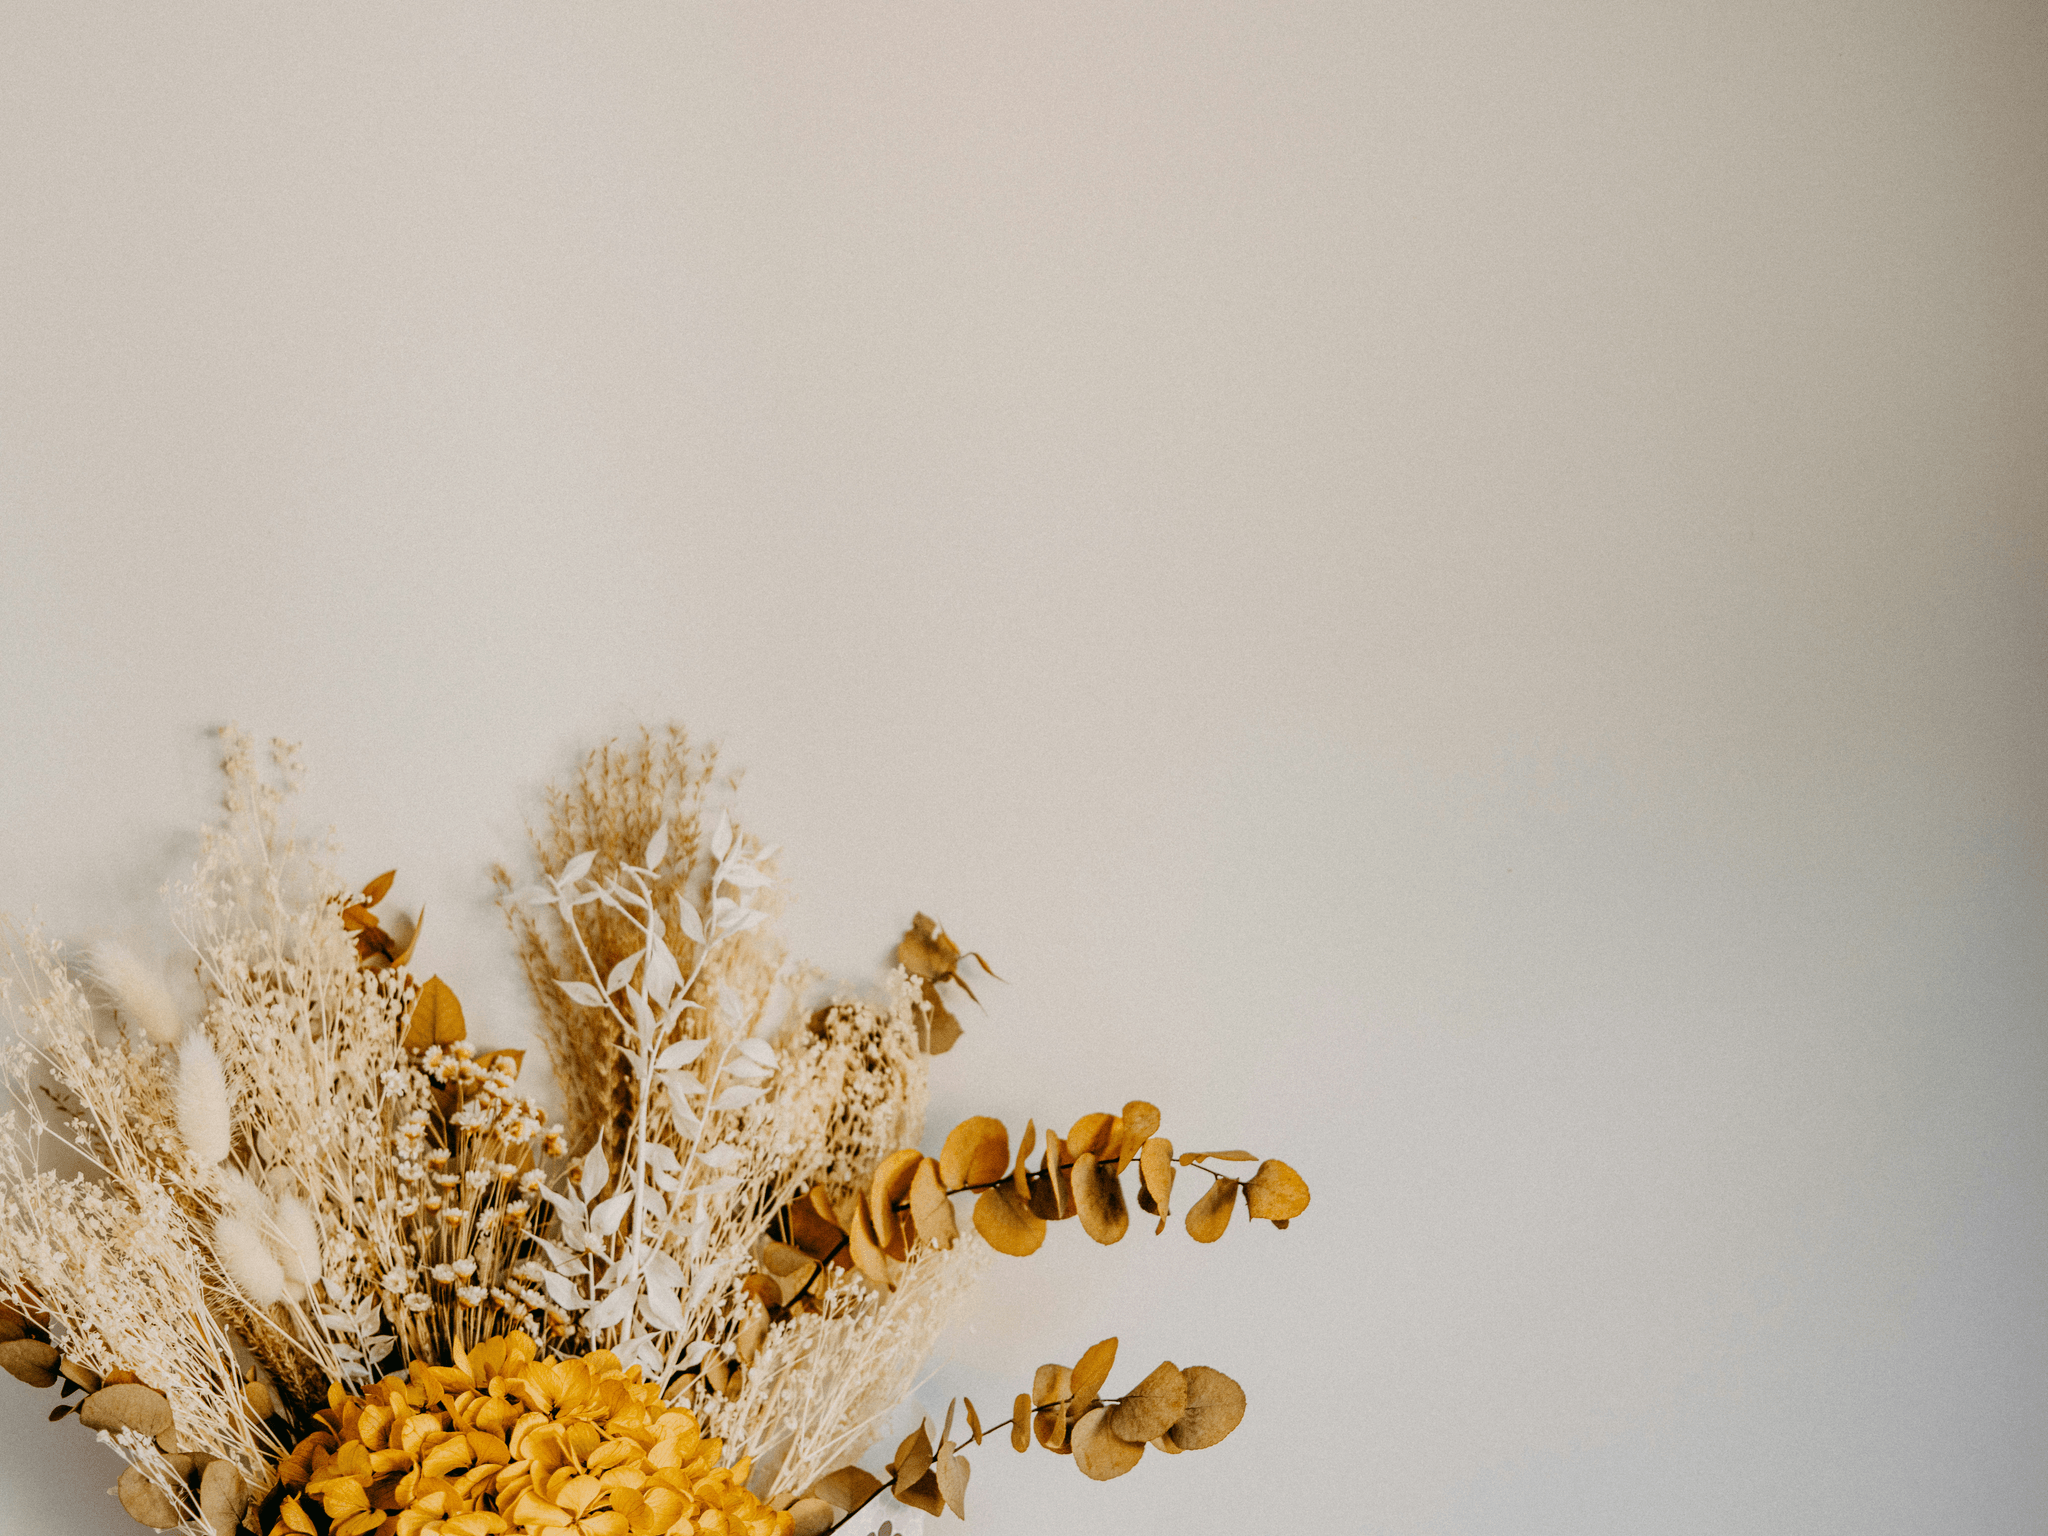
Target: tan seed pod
<point x="846" y="1489"/>
<point x="81" y="1375"/>
<point x="889" y="1188"/>
<point x="1099" y="1200"/>
<point x="1095" y="1133"/>
<point x="127" y="1407"/>
<point x="1138" y="1123"/>
<point x="1098" y="1451"/>
<point x="813" y="1517"/>
<point x="931" y="1213"/>
<point x="222" y="1497"/>
<point x="1007" y="1224"/>
<point x="146" y="1503"/>
<point x="1090" y="1372"/>
<point x="1020" y="1423"/>
<point x="977" y="1151"/>
<point x="1276" y="1192"/>
<point x="30" y="1360"/>
<point x="1152" y="1407"/>
<point x="1209" y="1216"/>
<point x="952" y="1472"/>
<point x="1215" y="1407"/>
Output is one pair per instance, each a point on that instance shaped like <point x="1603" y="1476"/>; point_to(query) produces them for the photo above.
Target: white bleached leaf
<point x="615" y="1308"/>
<point x="662" y="1311"/>
<point x="656" y="1155"/>
<point x="662" y="977"/>
<point x="687" y="1123"/>
<point x="379" y="1347"/>
<point x="657" y="848"/>
<point x="737" y="1098"/>
<point x="578" y="867"/>
<point x="691" y="924"/>
<point x="653" y="1209"/>
<point x="744" y="877"/>
<point x="562" y="1291"/>
<point x="595" y="1172"/>
<point x="757" y="1050"/>
<point x="722" y="1157"/>
<point x="623" y="971"/>
<point x="721" y="837"/>
<point x="679" y="1054"/>
<point x="337" y="1322"/>
<point x="663" y="1271"/>
<point x="643" y="1019"/>
<point x="746" y="1071"/>
<point x="604" y="1221"/>
<point x="568" y="1207"/>
<point x="536" y="896"/>
<point x="582" y="992"/>
<point x="562" y="1258"/>
<point x="696" y="1352"/>
<point x="668" y="1181"/>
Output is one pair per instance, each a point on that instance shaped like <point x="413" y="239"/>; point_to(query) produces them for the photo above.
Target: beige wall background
<point x="1454" y="592"/>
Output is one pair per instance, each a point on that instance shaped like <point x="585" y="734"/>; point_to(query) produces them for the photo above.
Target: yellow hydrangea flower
<point x="502" y="1441"/>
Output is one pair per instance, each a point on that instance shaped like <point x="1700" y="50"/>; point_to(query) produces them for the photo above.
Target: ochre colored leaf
<point x="931" y="1213"/>
<point x="1092" y="1133"/>
<point x="1188" y="1158"/>
<point x="1020" y="1424"/>
<point x="952" y="1472"/>
<point x="1276" y="1192"/>
<point x="913" y="1458"/>
<point x="976" y="1152"/>
<point x="924" y="1494"/>
<point x="1215" y="1407"/>
<point x="812" y="1231"/>
<point x="1099" y="1451"/>
<point x="813" y="1517"/>
<point x="1210" y="1215"/>
<point x="1052" y="1190"/>
<point x="1007" y="1224"/>
<point x="942" y="1030"/>
<point x="1024" y="1149"/>
<point x="1164" y="1443"/>
<point x="436" y="1017"/>
<point x="1050" y="1384"/>
<point x="378" y="888"/>
<point x="846" y="1489"/>
<point x="1099" y="1198"/>
<point x="1152" y="1407"/>
<point x="1138" y="1122"/>
<point x="1155" y="1180"/>
<point x="889" y="1188"/>
<point x="1090" y="1372"/>
<point x="30" y="1360"/>
<point x="1050" y="1426"/>
<point x="927" y="951"/>
<point x="403" y="954"/>
<point x="867" y="1253"/>
<point x="973" y="1419"/>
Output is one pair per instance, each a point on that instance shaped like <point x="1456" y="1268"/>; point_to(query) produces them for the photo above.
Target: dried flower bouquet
<point x="311" y="1262"/>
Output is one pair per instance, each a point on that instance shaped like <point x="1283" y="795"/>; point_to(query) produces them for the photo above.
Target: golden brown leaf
<point x="889" y="1188"/>
<point x="913" y="1458"/>
<point x="748" y="1342"/>
<point x="1050" y="1426"/>
<point x="952" y="1472"/>
<point x="223" y="1496"/>
<point x="379" y="888"/>
<point x="436" y="1017"/>
<point x="781" y="1259"/>
<point x="1092" y="1133"/>
<point x="813" y="1517"/>
<point x="146" y="1503"/>
<point x="976" y="1152"/>
<point x="1090" y="1372"/>
<point x="924" y="1494"/>
<point x="846" y="1489"/>
<point x="1276" y="1192"/>
<point x="1210" y="1215"/>
<point x="1155" y="1180"/>
<point x="1099" y="1451"/>
<point x="1050" y="1384"/>
<point x="814" y="1233"/>
<point x="942" y="1030"/>
<point x="927" y="951"/>
<point x="403" y="954"/>
<point x="80" y="1375"/>
<point x="1137" y="1123"/>
<point x="1164" y="1443"/>
<point x="1188" y="1158"/>
<point x="931" y="1213"/>
<point x="1215" y="1407"/>
<point x="30" y="1360"/>
<point x="1099" y="1198"/>
<point x="126" y="1407"/>
<point x="1020" y="1423"/>
<point x="973" y="1418"/>
<point x="1052" y="1189"/>
<point x="1152" y="1407"/>
<point x="1006" y="1224"/>
<point x="867" y="1253"/>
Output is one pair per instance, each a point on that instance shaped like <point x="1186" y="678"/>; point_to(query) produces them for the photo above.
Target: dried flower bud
<point x="202" y="1100"/>
<point x="300" y="1250"/>
<point x="138" y="991"/>
<point x="248" y="1260"/>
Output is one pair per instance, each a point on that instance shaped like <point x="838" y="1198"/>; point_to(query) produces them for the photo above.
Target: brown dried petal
<point x="813" y="1517"/>
<point x="1215" y="1407"/>
<point x="1140" y="1121"/>
<point x="1007" y="1224"/>
<point x="889" y="1188"/>
<point x="1090" y="1372"/>
<point x="29" y="1360"/>
<point x="127" y="1407"/>
<point x="846" y="1489"/>
<point x="1099" y="1199"/>
<point x="977" y="1152"/>
<point x="931" y="1213"/>
<point x="1152" y="1407"/>
<point x="146" y="1503"/>
<point x="1209" y="1216"/>
<point x="1099" y="1451"/>
<point x="1276" y="1192"/>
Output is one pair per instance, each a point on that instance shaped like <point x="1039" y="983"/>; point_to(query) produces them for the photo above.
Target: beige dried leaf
<point x="1099" y="1200"/>
<point x="1007" y="1224"/>
<point x="1187" y="1158"/>
<point x="976" y="1152"/>
<point x="222" y="1497"/>
<point x="1139" y="1121"/>
<point x="1209" y="1216"/>
<point x="1092" y="1133"/>
<point x="1152" y="1407"/>
<point x="867" y="1253"/>
<point x="1020" y="1423"/>
<point x="846" y="1489"/>
<point x="13" y="1325"/>
<point x="378" y="888"/>
<point x="146" y="1503"/>
<point x="1215" y="1407"/>
<point x="127" y="1407"/>
<point x="973" y="1418"/>
<point x="926" y="951"/>
<point x="403" y="955"/>
<point x="81" y="1375"/>
<point x="1090" y="1372"/>
<point x="931" y="1212"/>
<point x="952" y="1472"/>
<point x="258" y="1396"/>
<point x="30" y="1360"/>
<point x="1050" y="1426"/>
<point x="913" y="1459"/>
<point x="887" y="1189"/>
<point x="813" y="1517"/>
<point x="1155" y="1180"/>
<point x="1276" y="1192"/>
<point x="1099" y="1451"/>
<point x="747" y="1343"/>
<point x="1050" y="1384"/>
<point x="924" y="1494"/>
